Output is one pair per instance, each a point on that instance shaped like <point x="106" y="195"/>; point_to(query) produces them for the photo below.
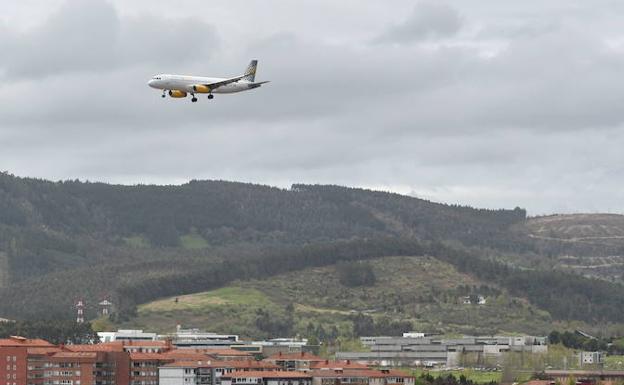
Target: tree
<point x="355" y="274"/>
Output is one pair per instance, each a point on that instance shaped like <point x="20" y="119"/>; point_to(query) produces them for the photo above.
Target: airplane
<point x="179" y="86"/>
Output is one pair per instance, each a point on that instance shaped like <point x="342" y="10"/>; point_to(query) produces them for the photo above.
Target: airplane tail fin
<point x="250" y="72"/>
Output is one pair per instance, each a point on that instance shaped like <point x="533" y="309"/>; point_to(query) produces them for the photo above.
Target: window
<point x="14" y="367"/>
<point x="8" y="358"/>
<point x="14" y="358"/>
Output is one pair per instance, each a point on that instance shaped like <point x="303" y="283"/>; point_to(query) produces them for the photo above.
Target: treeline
<point x="56" y="332"/>
<point x="365" y="325"/>
<point x="576" y="340"/>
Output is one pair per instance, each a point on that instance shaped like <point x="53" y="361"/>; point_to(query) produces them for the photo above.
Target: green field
<point x="193" y="241"/>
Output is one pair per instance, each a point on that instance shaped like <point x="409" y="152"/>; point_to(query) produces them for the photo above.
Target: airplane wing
<point x="215" y="85"/>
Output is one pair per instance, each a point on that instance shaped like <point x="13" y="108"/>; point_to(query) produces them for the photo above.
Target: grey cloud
<point x="91" y="36"/>
<point x="429" y="19"/>
<point x="535" y="124"/>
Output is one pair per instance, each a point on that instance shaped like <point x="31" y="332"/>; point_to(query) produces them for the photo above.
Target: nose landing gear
<point x="163" y="94"/>
<point x="193" y="99"/>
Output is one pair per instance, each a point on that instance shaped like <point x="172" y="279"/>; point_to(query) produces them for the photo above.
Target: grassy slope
<point x="420" y="289"/>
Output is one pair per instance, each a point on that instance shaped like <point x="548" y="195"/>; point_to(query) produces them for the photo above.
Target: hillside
<point x="583" y="228"/>
<point x="421" y="291"/>
<point x="60" y="241"/>
<point x="595" y="242"/>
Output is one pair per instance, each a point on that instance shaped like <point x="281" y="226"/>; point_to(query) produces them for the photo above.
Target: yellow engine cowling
<point x="177" y="94"/>
<point x="201" y="89"/>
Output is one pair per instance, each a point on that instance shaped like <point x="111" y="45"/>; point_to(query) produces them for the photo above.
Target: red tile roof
<point x="75" y="355"/>
<point x="338" y="365"/>
<point x="21" y="341"/>
<point x="359" y="373"/>
<point x="267" y="374"/>
<point x="341" y="373"/>
<point x="204" y="363"/>
<point x="247" y="364"/>
<point x="225" y="352"/>
<point x="303" y="356"/>
<point x="43" y="351"/>
<point x="103" y="347"/>
<point x="388" y="373"/>
<point x="186" y="356"/>
<point x="135" y="356"/>
<point x="189" y="364"/>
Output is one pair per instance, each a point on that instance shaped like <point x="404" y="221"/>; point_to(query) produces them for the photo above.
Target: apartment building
<point x="208" y="372"/>
<point x="267" y="378"/>
<point x="360" y="377"/>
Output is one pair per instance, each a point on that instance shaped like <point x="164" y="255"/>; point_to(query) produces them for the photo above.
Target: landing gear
<point x="210" y="96"/>
<point x="163" y="94"/>
<point x="194" y="99"/>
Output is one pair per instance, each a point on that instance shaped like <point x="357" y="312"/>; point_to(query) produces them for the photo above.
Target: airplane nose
<point x="151" y="83"/>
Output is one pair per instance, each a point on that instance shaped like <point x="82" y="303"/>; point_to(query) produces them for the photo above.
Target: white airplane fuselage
<point x="185" y="83"/>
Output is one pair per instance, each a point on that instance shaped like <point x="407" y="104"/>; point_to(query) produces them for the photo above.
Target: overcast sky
<point x="488" y="103"/>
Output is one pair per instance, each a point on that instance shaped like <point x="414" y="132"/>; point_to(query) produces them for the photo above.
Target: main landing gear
<point x="193" y="99"/>
<point x="210" y="96"/>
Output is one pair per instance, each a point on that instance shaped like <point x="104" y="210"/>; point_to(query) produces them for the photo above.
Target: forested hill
<point x="223" y="212"/>
<point x="64" y="240"/>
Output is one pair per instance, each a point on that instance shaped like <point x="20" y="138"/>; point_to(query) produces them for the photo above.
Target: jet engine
<point x="177" y="94"/>
<point x="201" y="89"/>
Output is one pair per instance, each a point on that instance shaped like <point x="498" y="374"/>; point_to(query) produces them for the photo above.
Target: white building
<point x="413" y="335"/>
<point x="591" y="358"/>
<point x="195" y="338"/>
<point x="127" y="335"/>
<point x="185" y="373"/>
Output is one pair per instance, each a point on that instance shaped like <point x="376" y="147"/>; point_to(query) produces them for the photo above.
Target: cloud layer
<point x="485" y="105"/>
